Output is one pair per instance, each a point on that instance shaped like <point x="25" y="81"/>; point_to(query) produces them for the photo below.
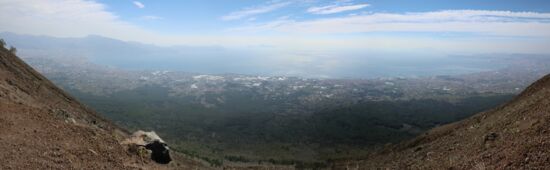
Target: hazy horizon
<point x="122" y="55"/>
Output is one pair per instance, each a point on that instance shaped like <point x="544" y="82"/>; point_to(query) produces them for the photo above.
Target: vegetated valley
<point x="234" y="119"/>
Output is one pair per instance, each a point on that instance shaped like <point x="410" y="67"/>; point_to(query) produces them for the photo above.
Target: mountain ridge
<point x="33" y="84"/>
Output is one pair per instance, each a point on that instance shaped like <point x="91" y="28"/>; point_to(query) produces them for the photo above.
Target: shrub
<point x="13" y="50"/>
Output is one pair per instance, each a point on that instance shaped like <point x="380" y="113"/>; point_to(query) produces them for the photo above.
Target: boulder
<point x="160" y="152"/>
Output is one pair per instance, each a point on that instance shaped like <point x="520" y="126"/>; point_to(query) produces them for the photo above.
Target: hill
<point x="45" y="128"/>
<point x="512" y="136"/>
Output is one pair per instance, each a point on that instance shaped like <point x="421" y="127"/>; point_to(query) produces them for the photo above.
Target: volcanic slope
<point x="42" y="127"/>
<point x="515" y="135"/>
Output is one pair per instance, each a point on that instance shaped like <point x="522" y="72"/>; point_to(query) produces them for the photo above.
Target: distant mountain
<point x="512" y="136"/>
<point x="265" y="61"/>
<point x="139" y="56"/>
<point x="42" y="127"/>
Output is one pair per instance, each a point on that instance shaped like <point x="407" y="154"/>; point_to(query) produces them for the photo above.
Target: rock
<point x="161" y="152"/>
<point x="95" y="153"/>
<point x="141" y="141"/>
<point x="490" y="137"/>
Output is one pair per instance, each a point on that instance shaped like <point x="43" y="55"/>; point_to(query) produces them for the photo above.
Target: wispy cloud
<point x="151" y="17"/>
<point x="77" y="18"/>
<point x="332" y="9"/>
<point x="67" y="18"/>
<point x="501" y="23"/>
<point x="138" y="4"/>
<point x="251" y="11"/>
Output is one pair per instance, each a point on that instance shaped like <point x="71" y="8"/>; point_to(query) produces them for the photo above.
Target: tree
<point x="13" y="50"/>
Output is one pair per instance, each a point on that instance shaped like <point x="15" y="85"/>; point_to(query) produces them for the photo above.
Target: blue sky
<point x="302" y="33"/>
<point x="294" y="23"/>
<point x="202" y="17"/>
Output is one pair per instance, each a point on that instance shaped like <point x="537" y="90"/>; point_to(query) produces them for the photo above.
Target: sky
<point x="298" y="31"/>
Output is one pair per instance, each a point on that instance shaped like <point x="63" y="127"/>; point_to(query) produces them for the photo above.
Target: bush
<point x="13" y="50"/>
<point x="236" y="158"/>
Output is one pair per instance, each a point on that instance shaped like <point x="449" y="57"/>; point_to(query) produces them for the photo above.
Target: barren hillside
<point x="513" y="136"/>
<point x="43" y="127"/>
